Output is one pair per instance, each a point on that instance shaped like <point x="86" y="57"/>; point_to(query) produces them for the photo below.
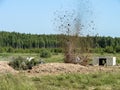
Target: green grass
<point x="78" y="81"/>
<point x="11" y="82"/>
<point x="10" y="56"/>
<point x="55" y="58"/>
<point x="96" y="81"/>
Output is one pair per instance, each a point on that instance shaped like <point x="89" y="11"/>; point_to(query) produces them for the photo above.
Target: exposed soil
<point x="58" y="68"/>
<point x="5" y="68"/>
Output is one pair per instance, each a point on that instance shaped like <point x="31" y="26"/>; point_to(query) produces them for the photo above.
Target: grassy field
<point x="54" y="58"/>
<point x="94" y="81"/>
<point x="11" y="56"/>
<point x="97" y="81"/>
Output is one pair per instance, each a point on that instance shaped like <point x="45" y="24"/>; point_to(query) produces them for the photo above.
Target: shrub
<point x="58" y="50"/>
<point x="21" y="63"/>
<point x="109" y="49"/>
<point x="32" y="63"/>
<point x="10" y="49"/>
<point x="98" y="50"/>
<point x="45" y="53"/>
<point x="117" y="49"/>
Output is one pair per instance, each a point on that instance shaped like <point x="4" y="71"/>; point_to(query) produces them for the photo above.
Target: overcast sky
<point x="36" y="16"/>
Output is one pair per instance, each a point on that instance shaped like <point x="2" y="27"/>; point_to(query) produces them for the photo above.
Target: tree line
<point x="22" y="40"/>
<point x="10" y="41"/>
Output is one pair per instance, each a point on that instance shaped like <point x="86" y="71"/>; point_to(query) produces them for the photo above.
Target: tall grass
<point x="99" y="81"/>
<point x="55" y="58"/>
<point x="96" y="81"/>
<point x="15" y="82"/>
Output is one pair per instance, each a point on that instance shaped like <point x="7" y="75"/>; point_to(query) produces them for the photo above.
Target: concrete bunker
<point x="102" y="61"/>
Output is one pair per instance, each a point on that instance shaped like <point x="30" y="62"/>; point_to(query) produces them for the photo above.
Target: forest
<point x="22" y="42"/>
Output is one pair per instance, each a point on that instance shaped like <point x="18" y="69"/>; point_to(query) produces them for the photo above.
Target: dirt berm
<point x="5" y="68"/>
<point x="58" y="68"/>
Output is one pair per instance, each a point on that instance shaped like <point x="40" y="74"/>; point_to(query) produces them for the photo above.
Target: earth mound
<point x="58" y="68"/>
<point x="5" y="68"/>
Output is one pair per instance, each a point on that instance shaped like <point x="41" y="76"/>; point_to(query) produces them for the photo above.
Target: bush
<point x="99" y="50"/>
<point x="10" y="50"/>
<point x="117" y="49"/>
<point x="45" y="53"/>
<point x="58" y="50"/>
<point x="109" y="49"/>
<point x="21" y="63"/>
